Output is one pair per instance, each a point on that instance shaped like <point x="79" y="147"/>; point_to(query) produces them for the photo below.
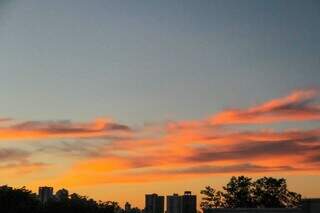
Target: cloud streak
<point x="13" y="154"/>
<point x="63" y="129"/>
<point x="298" y="106"/>
<point x="183" y="148"/>
<point x="229" y="153"/>
<point x="17" y="161"/>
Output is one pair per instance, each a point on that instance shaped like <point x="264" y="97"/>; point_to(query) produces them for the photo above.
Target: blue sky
<point x="129" y="59"/>
<point x="65" y="63"/>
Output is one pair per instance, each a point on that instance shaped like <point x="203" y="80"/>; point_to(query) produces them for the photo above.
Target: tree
<point x="212" y="198"/>
<point x="21" y="200"/>
<point x="238" y="193"/>
<point x="135" y="210"/>
<point x="17" y="200"/>
<point x="241" y="192"/>
<point x="271" y="192"/>
<point x="109" y="207"/>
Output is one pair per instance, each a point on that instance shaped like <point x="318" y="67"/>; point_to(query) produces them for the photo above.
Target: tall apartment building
<point x="186" y="203"/>
<point x="154" y="203"/>
<point x="173" y="204"/>
<point x="45" y="194"/>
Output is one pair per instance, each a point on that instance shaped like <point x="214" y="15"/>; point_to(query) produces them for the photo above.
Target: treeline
<point x="243" y="192"/>
<point x="22" y="200"/>
<point x="240" y="192"/>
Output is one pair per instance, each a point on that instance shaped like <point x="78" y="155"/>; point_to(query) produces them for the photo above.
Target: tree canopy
<point x="242" y="192"/>
<point x="22" y="200"/>
<point x="18" y="200"/>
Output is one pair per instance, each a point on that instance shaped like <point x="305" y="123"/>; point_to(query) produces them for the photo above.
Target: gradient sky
<point x="113" y="98"/>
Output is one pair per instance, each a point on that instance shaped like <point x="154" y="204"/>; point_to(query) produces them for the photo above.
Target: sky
<point x="115" y="99"/>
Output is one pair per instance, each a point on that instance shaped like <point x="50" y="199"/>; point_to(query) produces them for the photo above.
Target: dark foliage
<point x="18" y="200"/>
<point x="238" y="193"/>
<point x="212" y="198"/>
<point x="242" y="192"/>
<point x="271" y="192"/>
<point x="22" y="200"/>
<point x="134" y="210"/>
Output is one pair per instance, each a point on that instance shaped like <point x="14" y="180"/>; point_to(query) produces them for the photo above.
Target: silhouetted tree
<point x="238" y="193"/>
<point x="53" y="206"/>
<point x="18" y="200"/>
<point x="241" y="192"/>
<point x="109" y="207"/>
<point x="271" y="192"/>
<point x="134" y="210"/>
<point x="22" y="200"/>
<point x="80" y="204"/>
<point x="212" y="198"/>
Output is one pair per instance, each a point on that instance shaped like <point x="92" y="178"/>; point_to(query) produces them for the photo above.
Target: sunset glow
<point x="115" y="100"/>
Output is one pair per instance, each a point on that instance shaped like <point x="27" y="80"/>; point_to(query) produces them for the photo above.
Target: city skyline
<point x="267" y="194"/>
<point x="154" y="203"/>
<point x="110" y="99"/>
<point x="211" y="198"/>
<point x="300" y="109"/>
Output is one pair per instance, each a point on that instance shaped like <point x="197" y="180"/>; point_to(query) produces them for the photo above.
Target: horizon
<point x="109" y="98"/>
<point x="198" y="198"/>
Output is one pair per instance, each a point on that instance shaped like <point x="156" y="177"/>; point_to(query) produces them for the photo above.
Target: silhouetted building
<point x="173" y="204"/>
<point x="311" y="205"/>
<point x="188" y="203"/>
<point x="154" y="204"/>
<point x="62" y="194"/>
<point x="45" y="194"/>
<point x="127" y="207"/>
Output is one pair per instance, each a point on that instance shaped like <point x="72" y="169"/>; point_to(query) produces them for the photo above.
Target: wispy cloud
<point x="17" y="161"/>
<point x="236" y="168"/>
<point x="298" y="106"/>
<point x="3" y="120"/>
<point x="23" y="167"/>
<point x="307" y="142"/>
<point x="63" y="129"/>
<point x="211" y="153"/>
<point x="76" y="148"/>
<point x="185" y="148"/>
<point x="13" y="154"/>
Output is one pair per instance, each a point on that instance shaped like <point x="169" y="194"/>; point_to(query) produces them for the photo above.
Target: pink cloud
<point x="298" y="106"/>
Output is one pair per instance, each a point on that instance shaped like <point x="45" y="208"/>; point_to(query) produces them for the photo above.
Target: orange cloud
<point x="186" y="149"/>
<point x="298" y="106"/>
<point x="16" y="161"/>
<point x="203" y="147"/>
<point x="101" y="127"/>
<point x="22" y="168"/>
<point x="249" y="152"/>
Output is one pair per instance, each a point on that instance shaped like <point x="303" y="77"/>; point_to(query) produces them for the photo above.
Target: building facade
<point x="154" y="204"/>
<point x="311" y="205"/>
<point x="308" y="206"/>
<point x="186" y="203"/>
<point x="45" y="194"/>
<point x="173" y="204"/>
